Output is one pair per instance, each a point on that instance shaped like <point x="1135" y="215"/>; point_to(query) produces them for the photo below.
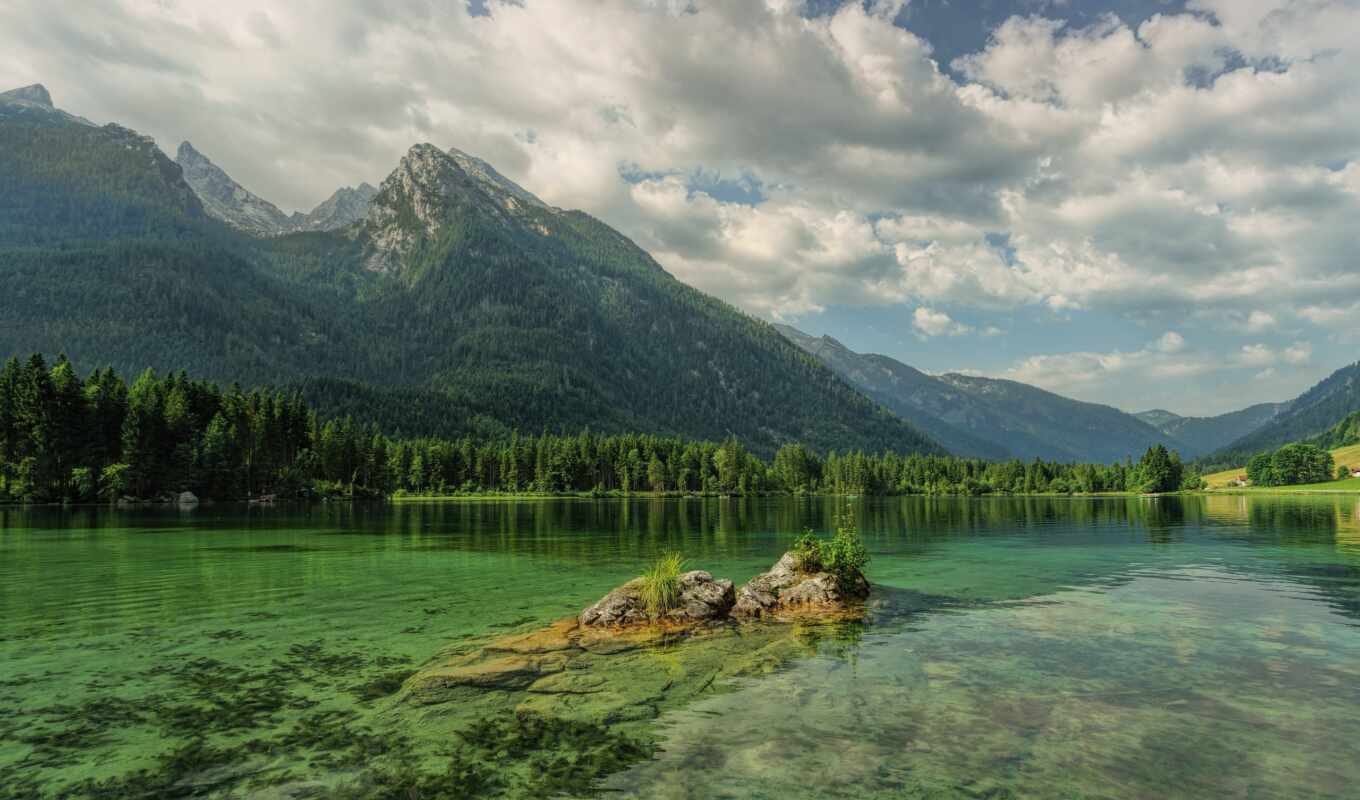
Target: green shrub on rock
<point x="808" y="550"/>
<point x="845" y="556"/>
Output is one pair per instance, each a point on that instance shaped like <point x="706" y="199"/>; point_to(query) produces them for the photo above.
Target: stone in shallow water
<point x="552" y="639"/>
<point x="702" y="598"/>
<point x="622" y="606"/>
<point x="785" y="588"/>
<point x="497" y="672"/>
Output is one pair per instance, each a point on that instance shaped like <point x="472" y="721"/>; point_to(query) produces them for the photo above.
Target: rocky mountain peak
<point x="431" y="186"/>
<point x="187" y="154"/>
<point x="348" y="205"/>
<point x="35" y="93"/>
<point x="228" y="200"/>
<point x="490" y="177"/>
<point x="410" y="204"/>
<point x="34" y="104"/>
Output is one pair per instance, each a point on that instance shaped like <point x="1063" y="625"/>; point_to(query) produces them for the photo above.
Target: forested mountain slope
<point x="1311" y="414"/>
<point x="458" y="289"/>
<point x="906" y="391"/>
<point x="978" y="415"/>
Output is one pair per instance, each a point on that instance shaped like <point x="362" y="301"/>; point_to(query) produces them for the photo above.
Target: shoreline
<point x="524" y="496"/>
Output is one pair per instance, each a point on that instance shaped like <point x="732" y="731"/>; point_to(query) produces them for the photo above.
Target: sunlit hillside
<point x="1348" y="456"/>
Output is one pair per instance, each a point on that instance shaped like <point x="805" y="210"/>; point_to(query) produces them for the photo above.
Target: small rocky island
<point x="602" y="664"/>
<point x="790" y="588"/>
<point x="658" y="641"/>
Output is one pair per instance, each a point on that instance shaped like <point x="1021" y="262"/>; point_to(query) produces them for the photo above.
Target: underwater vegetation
<point x="516" y="755"/>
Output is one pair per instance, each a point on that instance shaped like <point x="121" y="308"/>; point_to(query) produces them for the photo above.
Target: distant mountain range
<point x="455" y="302"/>
<point x="987" y="417"/>
<point x="1201" y="435"/>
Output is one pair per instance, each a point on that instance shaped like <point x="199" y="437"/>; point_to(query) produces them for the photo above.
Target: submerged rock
<point x="702" y="598"/>
<point x="786" y="588"/>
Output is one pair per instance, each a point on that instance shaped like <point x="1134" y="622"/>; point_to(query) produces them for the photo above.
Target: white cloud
<point x="1262" y="355"/>
<point x="1171" y="342"/>
<point x="1164" y="359"/>
<point x="1258" y="321"/>
<point x="1256" y="355"/>
<point x="1298" y="353"/>
<point x="929" y="322"/>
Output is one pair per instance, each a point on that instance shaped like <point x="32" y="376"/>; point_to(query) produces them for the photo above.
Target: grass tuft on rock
<point x="661" y="584"/>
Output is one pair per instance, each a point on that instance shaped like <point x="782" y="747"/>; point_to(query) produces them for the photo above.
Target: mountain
<point x="1311" y="414"/>
<point x="229" y="201"/>
<point x="988" y="417"/>
<point x="1203" y="435"/>
<point x="458" y="303"/>
<point x="347" y="206"/>
<point x="64" y="181"/>
<point x="1343" y="434"/>
<point x="34" y="104"/>
<point x="906" y="391"/>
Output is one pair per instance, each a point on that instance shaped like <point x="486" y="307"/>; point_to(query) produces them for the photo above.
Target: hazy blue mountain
<point x="986" y="416"/>
<point x="1203" y="435"/>
<point x="906" y="391"/>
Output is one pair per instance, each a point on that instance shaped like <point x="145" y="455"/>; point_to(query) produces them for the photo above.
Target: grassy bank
<point x="1349" y="456"/>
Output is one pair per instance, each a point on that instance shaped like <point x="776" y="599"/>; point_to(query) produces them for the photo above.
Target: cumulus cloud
<point x="1171" y="342"/>
<point x="1262" y="355"/>
<point x="928" y="322"/>
<point x="1163" y="359"/>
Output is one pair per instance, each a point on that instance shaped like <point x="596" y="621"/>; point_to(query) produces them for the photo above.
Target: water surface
<point x="1017" y="647"/>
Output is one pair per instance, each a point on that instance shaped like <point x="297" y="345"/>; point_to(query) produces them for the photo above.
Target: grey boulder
<point x="784" y="587"/>
<point x="702" y="598"/>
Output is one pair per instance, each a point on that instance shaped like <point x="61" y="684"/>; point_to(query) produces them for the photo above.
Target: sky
<point x="1134" y="202"/>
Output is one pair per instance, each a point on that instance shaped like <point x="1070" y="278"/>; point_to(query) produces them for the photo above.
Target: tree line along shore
<point x="68" y="438"/>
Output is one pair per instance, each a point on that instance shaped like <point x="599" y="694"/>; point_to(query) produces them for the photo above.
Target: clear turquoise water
<point x="1016" y="648"/>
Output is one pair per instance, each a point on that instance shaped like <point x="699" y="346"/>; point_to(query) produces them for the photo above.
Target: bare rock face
<point x="785" y="588"/>
<point x="227" y="200"/>
<point x="702" y="598"/>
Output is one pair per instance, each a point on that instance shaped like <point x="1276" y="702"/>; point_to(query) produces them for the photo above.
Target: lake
<point x="1015" y="647"/>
